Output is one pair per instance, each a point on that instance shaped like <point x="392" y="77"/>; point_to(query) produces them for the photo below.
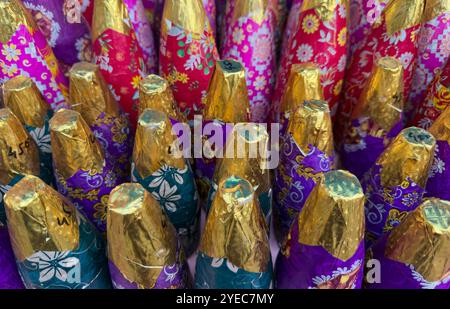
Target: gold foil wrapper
<point x="74" y="146"/>
<point x="382" y="97"/>
<point x="23" y="98"/>
<point x="155" y="145"/>
<point x="187" y="14"/>
<point x="39" y="219"/>
<point x="235" y="228"/>
<point x="141" y="239"/>
<point x="423" y="240"/>
<point x="311" y="124"/>
<point x="333" y="215"/>
<point x="410" y="154"/>
<point x="403" y="14"/>
<point x="155" y="93"/>
<point x="434" y="8"/>
<point x="89" y="94"/>
<point x="245" y="156"/>
<point x="324" y="8"/>
<point x="441" y="126"/>
<point x="227" y="98"/>
<point x="303" y="85"/>
<point x="111" y="14"/>
<point x="12" y="15"/>
<point x="254" y="9"/>
<point x="18" y="151"/>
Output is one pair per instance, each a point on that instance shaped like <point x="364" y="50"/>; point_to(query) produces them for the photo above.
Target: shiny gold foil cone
<point x="333" y="215"/>
<point x="423" y="240"/>
<point x="410" y="154"/>
<point x="441" y="126"/>
<point x="310" y="124"/>
<point x="245" y="156"/>
<point x="141" y="239"/>
<point x="12" y="15"/>
<point x="18" y="151"/>
<point x="155" y="145"/>
<point x="23" y="98"/>
<point x="324" y="8"/>
<point x="303" y="85"/>
<point x="111" y="14"/>
<point x="403" y="14"/>
<point x="155" y="93"/>
<point x="89" y="94"/>
<point x="74" y="146"/>
<point x="235" y="228"/>
<point x="434" y="8"/>
<point x="40" y="219"/>
<point x="227" y="98"/>
<point x="255" y="9"/>
<point x="382" y="97"/>
<point x="187" y="14"/>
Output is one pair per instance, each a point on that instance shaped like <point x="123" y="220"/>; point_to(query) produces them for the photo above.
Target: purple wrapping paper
<point x="439" y="181"/>
<point x="312" y="267"/>
<point x="9" y="276"/>
<point x="64" y="27"/>
<point x="396" y="275"/>
<point x="292" y="188"/>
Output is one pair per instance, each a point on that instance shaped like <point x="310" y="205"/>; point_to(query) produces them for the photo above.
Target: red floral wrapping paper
<point x="87" y="9"/>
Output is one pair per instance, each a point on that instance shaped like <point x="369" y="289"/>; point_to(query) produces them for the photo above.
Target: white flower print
<point x="429" y="285"/>
<point x="53" y="264"/>
<point x="400" y="36"/>
<point x="162" y="173"/>
<point x="216" y="263"/>
<point x="341" y="63"/>
<point x="166" y="196"/>
<point x="406" y="59"/>
<point x="304" y="52"/>
<point x="42" y="140"/>
<point x="438" y="167"/>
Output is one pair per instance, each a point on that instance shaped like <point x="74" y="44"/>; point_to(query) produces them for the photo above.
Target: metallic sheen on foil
<point x="18" y="151"/>
<point x="441" y="126"/>
<point x="235" y="228"/>
<point x="155" y="145"/>
<point x="89" y="94"/>
<point x="423" y="240"/>
<point x="155" y="93"/>
<point x="410" y="154"/>
<point x="255" y="9"/>
<point x="324" y="8"/>
<point x="227" y="98"/>
<point x="310" y="124"/>
<point x="40" y="219"/>
<point x="23" y="98"/>
<point x="188" y="14"/>
<point x="12" y="15"/>
<point x="111" y="14"/>
<point x="141" y="240"/>
<point x="74" y="146"/>
<point x="382" y="97"/>
<point x="434" y="8"/>
<point x="333" y="215"/>
<point x="403" y="14"/>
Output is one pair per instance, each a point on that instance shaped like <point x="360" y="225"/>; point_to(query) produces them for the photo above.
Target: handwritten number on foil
<point x="22" y="147"/>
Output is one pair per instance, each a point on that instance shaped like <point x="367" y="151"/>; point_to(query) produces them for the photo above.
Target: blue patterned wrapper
<point x="234" y="251"/>
<point x="55" y="246"/>
<point x="395" y="184"/>
<point x="81" y="171"/>
<point x="158" y="167"/>
<point x="324" y="248"/>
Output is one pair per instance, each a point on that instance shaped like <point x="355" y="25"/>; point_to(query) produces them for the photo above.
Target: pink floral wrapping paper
<point x="87" y="9"/>
<point x="252" y="43"/>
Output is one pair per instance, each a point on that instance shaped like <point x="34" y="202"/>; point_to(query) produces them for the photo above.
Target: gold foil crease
<point x="74" y="146"/>
<point x="89" y="94"/>
<point x="155" y="145"/>
<point x="324" y="8"/>
<point x="434" y="8"/>
<point x="235" y="228"/>
<point x="311" y="124"/>
<point x="382" y="97"/>
<point x="187" y="14"/>
<point x="403" y="14"/>
<point x="423" y="240"/>
<point x="227" y="98"/>
<point x="333" y="215"/>
<point x="18" y="151"/>
<point x="39" y="219"/>
<point x="410" y="154"/>
<point x="141" y="240"/>
<point x="254" y="9"/>
<point x="23" y="98"/>
<point x="248" y="159"/>
<point x="12" y="15"/>
<point x="110" y="14"/>
<point x="303" y="85"/>
<point x="155" y="93"/>
<point x="441" y="126"/>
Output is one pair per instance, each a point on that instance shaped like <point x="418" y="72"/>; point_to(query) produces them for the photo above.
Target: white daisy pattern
<point x="42" y="139"/>
<point x="167" y="197"/>
<point x="52" y="264"/>
<point x="304" y="52"/>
